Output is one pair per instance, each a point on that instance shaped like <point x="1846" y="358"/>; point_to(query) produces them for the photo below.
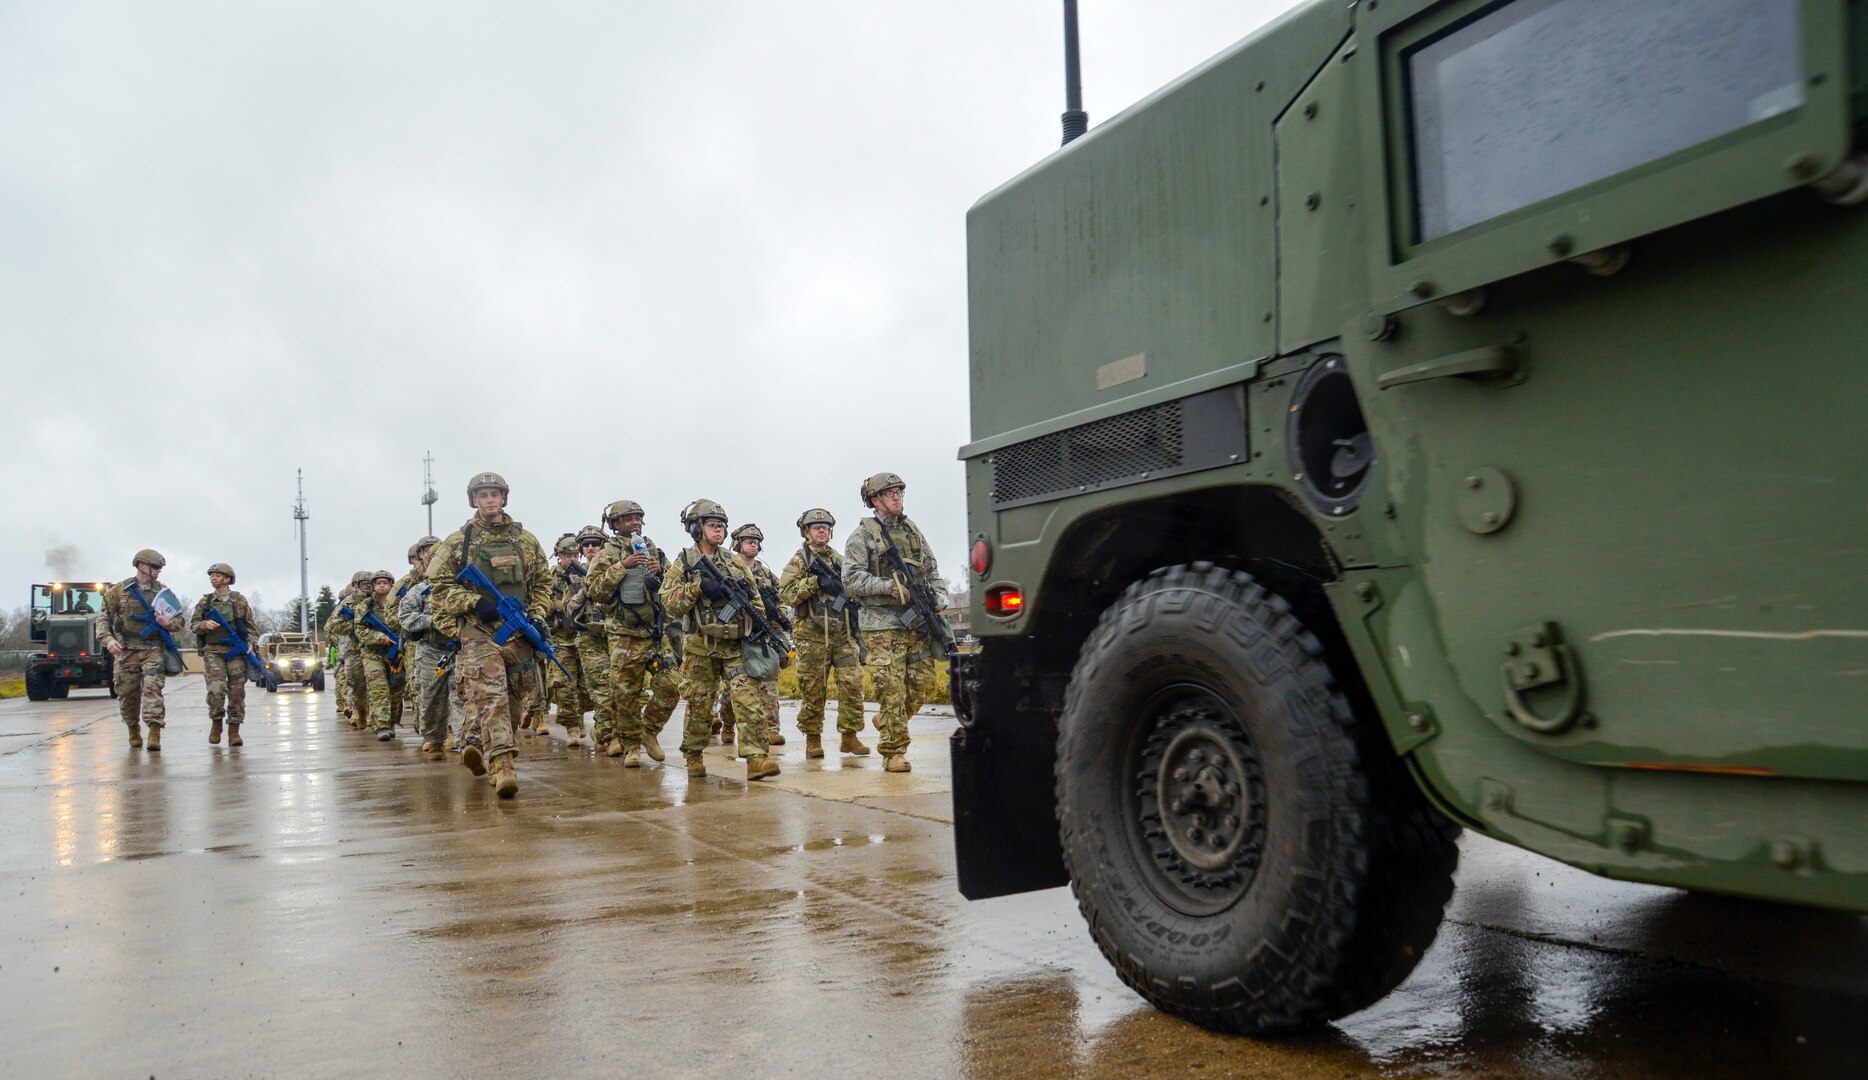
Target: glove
<point x="899" y="589"/>
<point x="770" y="596"/>
<point x="485" y="609"/>
<point x="652" y="582"/>
<point x="829" y="584"/>
<point x="713" y="590"/>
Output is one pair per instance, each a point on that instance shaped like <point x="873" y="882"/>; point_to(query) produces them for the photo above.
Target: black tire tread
<point x="1367" y="918"/>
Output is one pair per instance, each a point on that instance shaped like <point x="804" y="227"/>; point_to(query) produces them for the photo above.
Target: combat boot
<point x="573" y="737"/>
<point x="155" y="737"/>
<point x="758" y="768"/>
<point x="697" y="767"/>
<point x="896" y="763"/>
<point x="614" y="748"/>
<point x="653" y="746"/>
<point x="775" y="737"/>
<point x="136" y="736"/>
<point x="214" y="733"/>
<point x="473" y="759"/>
<point x="813" y="746"/>
<point x="453" y="743"/>
<point x="633" y="759"/>
<point x="233" y="735"/>
<point x="505" y="777"/>
<point x="853" y="745"/>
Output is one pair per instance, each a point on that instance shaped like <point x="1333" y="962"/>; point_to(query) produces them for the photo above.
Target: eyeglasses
<point x="591" y="545"/>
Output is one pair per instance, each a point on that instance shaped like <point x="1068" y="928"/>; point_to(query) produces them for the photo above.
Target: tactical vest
<point x="369" y="608"/>
<point x="500" y="558"/>
<point x="907" y="539"/>
<point x="630" y="602"/>
<point x="225" y="606"/>
<point x="704" y="617"/>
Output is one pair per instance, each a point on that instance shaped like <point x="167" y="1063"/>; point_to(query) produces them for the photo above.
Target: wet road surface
<point x="318" y="904"/>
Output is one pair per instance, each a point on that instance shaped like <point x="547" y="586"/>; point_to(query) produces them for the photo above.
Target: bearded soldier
<point x="567" y="692"/>
<point x="226" y="670"/>
<point x="717" y="631"/>
<point x="829" y="640"/>
<point x="435" y="711"/>
<point x="382" y="676"/>
<point x="901" y="660"/>
<point x="498" y="682"/>
<point x="624" y="584"/>
<point x="141" y="659"/>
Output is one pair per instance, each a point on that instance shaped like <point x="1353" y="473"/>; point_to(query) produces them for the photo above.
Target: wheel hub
<point x="1202" y="807"/>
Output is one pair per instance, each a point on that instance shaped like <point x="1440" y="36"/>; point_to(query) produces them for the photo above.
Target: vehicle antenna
<point x="1076" y="121"/>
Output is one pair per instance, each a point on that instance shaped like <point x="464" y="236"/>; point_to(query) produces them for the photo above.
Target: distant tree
<point x="15" y="629"/>
<point x="287" y="617"/>
<point x="327" y="603"/>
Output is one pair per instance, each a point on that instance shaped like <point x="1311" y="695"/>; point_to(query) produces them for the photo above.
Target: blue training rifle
<point x="514" y="619"/>
<point x="394" y="655"/>
<point x="238" y="649"/>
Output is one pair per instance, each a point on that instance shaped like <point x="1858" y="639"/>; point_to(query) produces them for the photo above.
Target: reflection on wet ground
<point x="319" y="904"/>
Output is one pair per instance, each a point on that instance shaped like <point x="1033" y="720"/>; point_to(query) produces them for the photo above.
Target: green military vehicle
<point x="293" y="658"/>
<point x="1426" y="414"/>
<point x="64" y="616"/>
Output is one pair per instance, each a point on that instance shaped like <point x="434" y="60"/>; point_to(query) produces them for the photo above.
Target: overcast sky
<point x="608" y="249"/>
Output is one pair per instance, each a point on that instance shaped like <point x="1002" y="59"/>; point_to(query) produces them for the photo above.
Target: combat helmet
<point x="222" y="568"/>
<point x="816" y="516"/>
<point x="694" y="513"/>
<point x="362" y="578"/>
<point x="150" y="556"/>
<point x="748" y="531"/>
<point x="378" y="575"/>
<point x="565" y="545"/>
<point x="487" y="480"/>
<point x="621" y="508"/>
<point x="425" y="542"/>
<point x="880" y="483"/>
<point x="591" y="533"/>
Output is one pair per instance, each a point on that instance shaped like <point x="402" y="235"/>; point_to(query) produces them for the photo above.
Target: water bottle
<point x="634" y="589"/>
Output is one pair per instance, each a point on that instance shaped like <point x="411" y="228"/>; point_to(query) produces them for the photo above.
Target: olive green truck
<point x="1423" y="416"/>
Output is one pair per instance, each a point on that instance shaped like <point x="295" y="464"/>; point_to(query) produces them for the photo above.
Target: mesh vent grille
<point x="1121" y="447"/>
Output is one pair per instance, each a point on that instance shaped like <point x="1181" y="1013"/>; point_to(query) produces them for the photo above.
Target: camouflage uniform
<point x="411" y="697"/>
<point x="901" y="661"/>
<point x="439" y="709"/>
<point x="567" y="692"/>
<point x="766" y="716"/>
<point x="373" y="656"/>
<point x="497" y="684"/>
<point x="353" y="685"/>
<point x="226" y="671"/>
<point x="629" y="631"/>
<point x="337" y="637"/>
<point x="137" y="673"/>
<point x="828" y="645"/>
<point x="664" y="688"/>
<point x="713" y="652"/>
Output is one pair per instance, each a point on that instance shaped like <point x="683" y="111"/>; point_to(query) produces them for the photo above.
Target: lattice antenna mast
<point x="428" y="489"/>
<point x="301" y="515"/>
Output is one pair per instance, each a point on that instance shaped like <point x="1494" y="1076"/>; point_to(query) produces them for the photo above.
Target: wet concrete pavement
<point x="319" y="904"/>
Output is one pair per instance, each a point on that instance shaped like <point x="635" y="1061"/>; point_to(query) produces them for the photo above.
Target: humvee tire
<point x="271" y="687"/>
<point x="36" y="687"/>
<point x="317" y="680"/>
<point x="1247" y="855"/>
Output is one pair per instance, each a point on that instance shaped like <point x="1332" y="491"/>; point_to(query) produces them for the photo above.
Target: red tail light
<point x="980" y="556"/>
<point x="1005" y="600"/>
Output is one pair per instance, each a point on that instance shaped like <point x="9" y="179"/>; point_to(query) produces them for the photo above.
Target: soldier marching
<point x="487" y="633"/>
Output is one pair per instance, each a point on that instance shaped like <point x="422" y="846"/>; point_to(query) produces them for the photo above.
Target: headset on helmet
<point x="222" y="568"/>
<point x="817" y="516"/>
<point x="880" y="483"/>
<point x="699" y="511"/>
<point x="487" y="480"/>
